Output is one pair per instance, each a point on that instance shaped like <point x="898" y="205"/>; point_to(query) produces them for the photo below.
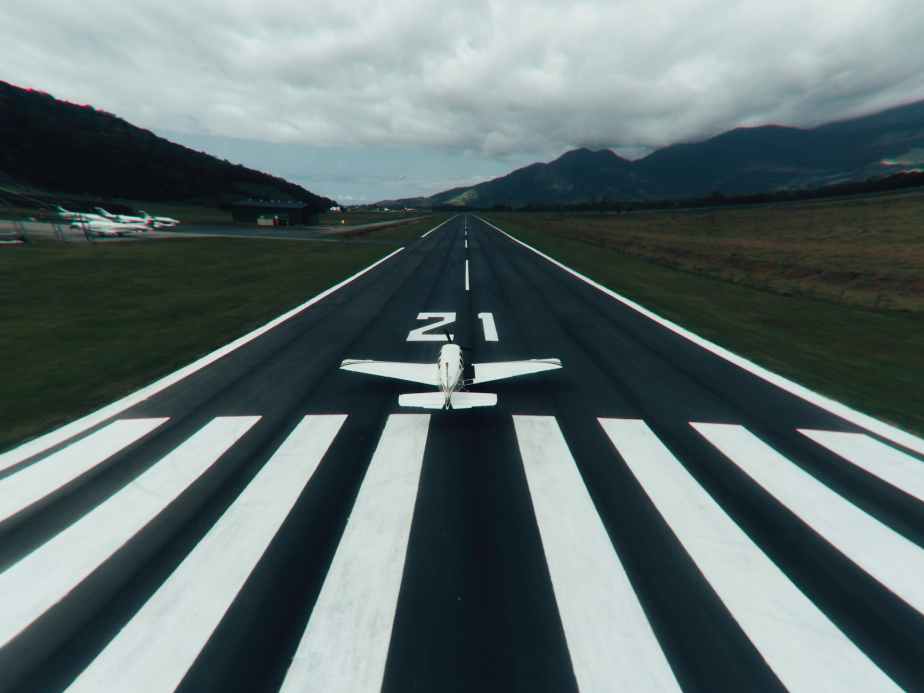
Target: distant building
<point x="284" y="211"/>
<point x="335" y="208"/>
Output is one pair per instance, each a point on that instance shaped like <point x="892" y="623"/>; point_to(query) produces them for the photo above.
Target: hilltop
<point x="66" y="148"/>
<point x="742" y="161"/>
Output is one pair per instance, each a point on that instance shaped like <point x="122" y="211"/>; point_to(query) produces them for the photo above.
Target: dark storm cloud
<point x="497" y="78"/>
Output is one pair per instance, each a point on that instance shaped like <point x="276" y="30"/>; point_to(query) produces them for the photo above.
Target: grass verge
<point x="871" y="360"/>
<point x="86" y="324"/>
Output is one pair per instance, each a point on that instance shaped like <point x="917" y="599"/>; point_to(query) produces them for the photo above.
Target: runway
<point x="658" y="515"/>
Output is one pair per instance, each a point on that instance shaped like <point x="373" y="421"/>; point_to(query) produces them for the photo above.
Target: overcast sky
<point x="364" y="100"/>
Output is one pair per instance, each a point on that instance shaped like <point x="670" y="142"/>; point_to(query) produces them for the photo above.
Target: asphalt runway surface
<point x="653" y="516"/>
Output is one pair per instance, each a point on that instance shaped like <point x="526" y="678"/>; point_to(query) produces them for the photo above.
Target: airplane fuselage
<point x="450" y="369"/>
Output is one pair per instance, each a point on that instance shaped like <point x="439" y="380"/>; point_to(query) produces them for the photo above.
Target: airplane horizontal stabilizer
<point x="423" y="373"/>
<point x="458" y="400"/>
<point x="486" y="372"/>
<point x="467" y="400"/>
<point x="426" y="400"/>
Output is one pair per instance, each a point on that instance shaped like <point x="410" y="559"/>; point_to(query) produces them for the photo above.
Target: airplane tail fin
<point x="457" y="400"/>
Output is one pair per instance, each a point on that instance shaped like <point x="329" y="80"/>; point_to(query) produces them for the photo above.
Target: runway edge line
<point x="49" y="440"/>
<point x="871" y="424"/>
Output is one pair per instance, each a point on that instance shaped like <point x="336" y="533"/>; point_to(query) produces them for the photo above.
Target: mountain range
<point x="738" y="162"/>
<point x="65" y="148"/>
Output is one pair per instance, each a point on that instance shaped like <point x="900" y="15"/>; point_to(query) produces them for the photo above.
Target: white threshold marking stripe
<point x="883" y="553"/>
<point x="892" y="466"/>
<point x="466" y="276"/>
<point x="799" y="643"/>
<point x="192" y="601"/>
<point x="345" y="644"/>
<point x="610" y="640"/>
<point x="59" y="435"/>
<point x="46" y="576"/>
<point x="29" y="485"/>
<point x="896" y="435"/>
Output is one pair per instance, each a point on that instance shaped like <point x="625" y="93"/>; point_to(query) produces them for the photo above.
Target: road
<point x="656" y="515"/>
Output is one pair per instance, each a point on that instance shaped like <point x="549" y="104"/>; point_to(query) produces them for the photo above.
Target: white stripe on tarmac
<point x="883" y="553"/>
<point x="20" y="490"/>
<point x="799" y="643"/>
<point x="878" y="427"/>
<point x="466" y="241"/>
<point x="466" y="276"/>
<point x="155" y="650"/>
<point x="437" y="227"/>
<point x="59" y="435"/>
<point x="611" y="643"/>
<point x="345" y="643"/>
<point x="46" y="576"/>
<point x="892" y="466"/>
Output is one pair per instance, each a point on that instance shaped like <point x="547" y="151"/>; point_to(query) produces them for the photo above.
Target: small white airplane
<point x="104" y="227"/>
<point x="159" y="222"/>
<point x="68" y="215"/>
<point x="121" y="218"/>
<point x="446" y="374"/>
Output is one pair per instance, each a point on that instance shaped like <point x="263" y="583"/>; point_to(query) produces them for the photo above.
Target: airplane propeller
<point x="452" y="341"/>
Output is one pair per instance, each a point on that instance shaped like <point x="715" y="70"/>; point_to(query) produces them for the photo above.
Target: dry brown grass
<point x="866" y="252"/>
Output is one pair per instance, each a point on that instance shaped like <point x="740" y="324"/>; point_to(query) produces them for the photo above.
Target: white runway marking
<point x="892" y="466"/>
<point x="466" y="241"/>
<point x="25" y="487"/>
<point x="155" y="650"/>
<point x="424" y="334"/>
<point x="883" y="553"/>
<point x="881" y="428"/>
<point x="609" y="638"/>
<point x="802" y="647"/>
<point x="488" y="326"/>
<point x="46" y="576"/>
<point x="437" y="227"/>
<point x="466" y="276"/>
<point x="59" y="435"/>
<point x="346" y="641"/>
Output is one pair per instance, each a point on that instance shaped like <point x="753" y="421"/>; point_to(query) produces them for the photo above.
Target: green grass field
<point x="870" y="359"/>
<point x="401" y="231"/>
<point x="85" y="324"/>
<point x="353" y="218"/>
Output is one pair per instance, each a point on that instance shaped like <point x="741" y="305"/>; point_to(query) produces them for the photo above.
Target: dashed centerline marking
<point x="467" y="287"/>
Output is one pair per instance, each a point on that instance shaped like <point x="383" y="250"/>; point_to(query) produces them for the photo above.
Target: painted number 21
<point x="441" y="322"/>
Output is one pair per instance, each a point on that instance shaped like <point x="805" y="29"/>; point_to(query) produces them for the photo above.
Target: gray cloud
<point x="502" y="79"/>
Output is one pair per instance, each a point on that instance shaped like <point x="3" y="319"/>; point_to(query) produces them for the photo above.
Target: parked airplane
<point x="159" y="222"/>
<point x="99" y="226"/>
<point x="121" y="218"/>
<point x="446" y="374"/>
<point x="77" y="216"/>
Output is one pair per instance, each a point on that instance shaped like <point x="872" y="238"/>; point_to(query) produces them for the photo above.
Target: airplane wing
<point x="424" y="373"/>
<point x="486" y="372"/>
